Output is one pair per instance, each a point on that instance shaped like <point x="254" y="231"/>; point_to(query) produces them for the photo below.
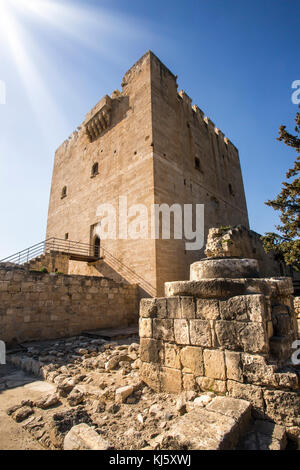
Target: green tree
<point x="286" y="243"/>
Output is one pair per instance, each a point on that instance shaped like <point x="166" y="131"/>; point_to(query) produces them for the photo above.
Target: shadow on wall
<point x="106" y="270"/>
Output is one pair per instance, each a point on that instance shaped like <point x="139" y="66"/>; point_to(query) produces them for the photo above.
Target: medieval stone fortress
<point x="142" y="343"/>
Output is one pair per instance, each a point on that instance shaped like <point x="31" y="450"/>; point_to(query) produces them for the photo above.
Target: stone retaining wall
<point x="36" y="305"/>
<point x="232" y="345"/>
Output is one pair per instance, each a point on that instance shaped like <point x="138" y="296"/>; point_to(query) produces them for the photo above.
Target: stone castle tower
<point x="149" y="144"/>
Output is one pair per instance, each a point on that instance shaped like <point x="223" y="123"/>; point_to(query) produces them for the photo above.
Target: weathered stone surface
<point x="207" y="384"/>
<point x="189" y="382"/>
<point x="200" y="333"/>
<point x="174" y="307"/>
<point x="145" y="328"/>
<point x="203" y="400"/>
<point x="204" y="430"/>
<point x="188" y="307"/>
<point x="234" y="366"/>
<point x="234" y="268"/>
<point x="247" y="392"/>
<point x="192" y="360"/>
<point x="257" y="371"/>
<point x="75" y="397"/>
<point x="254" y="338"/>
<point x="171" y="380"/>
<point x="222" y="288"/>
<point x="172" y="356"/>
<point x="181" y="332"/>
<point x="150" y="374"/>
<point x="48" y="401"/>
<point x="282" y="407"/>
<point x="235" y="308"/>
<point x="149" y="350"/>
<point x="207" y="309"/>
<point x="214" y="364"/>
<point x="123" y="393"/>
<point x="83" y="437"/>
<point x="264" y="435"/>
<point x="163" y="329"/>
<point x="22" y="413"/>
<point x="148" y="308"/>
<point x="239" y="410"/>
<point x="42" y="306"/>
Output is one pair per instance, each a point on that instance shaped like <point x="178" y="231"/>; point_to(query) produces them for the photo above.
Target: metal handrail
<point x="50" y="244"/>
<point x="73" y="248"/>
<point x="140" y="281"/>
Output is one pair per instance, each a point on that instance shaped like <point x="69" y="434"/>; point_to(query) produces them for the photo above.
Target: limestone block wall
<point x="36" y="306"/>
<point x="53" y="261"/>
<point x="233" y="345"/>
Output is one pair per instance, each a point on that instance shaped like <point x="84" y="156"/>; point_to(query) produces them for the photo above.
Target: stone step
<point x="264" y="435"/>
<point x="219" y="426"/>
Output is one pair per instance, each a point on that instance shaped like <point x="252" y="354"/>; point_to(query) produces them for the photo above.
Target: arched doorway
<point x="97" y="247"/>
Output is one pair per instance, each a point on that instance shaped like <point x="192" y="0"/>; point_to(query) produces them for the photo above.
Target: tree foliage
<point x="286" y="243"/>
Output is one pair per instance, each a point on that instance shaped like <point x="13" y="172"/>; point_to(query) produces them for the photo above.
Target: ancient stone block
<point x="203" y="430"/>
<point x="171" y="380"/>
<point x="188" y="307"/>
<point x="234" y="308"/>
<point x="145" y="327"/>
<point x="207" y="384"/>
<point x="189" y="382"/>
<point x="200" y="333"/>
<point x="257" y="308"/>
<point x="148" y="308"/>
<point x="247" y="392"/>
<point x="214" y="364"/>
<point x="239" y="410"/>
<point x="257" y="371"/>
<point x="282" y="407"/>
<point x="254" y="338"/>
<point x="181" y="332"/>
<point x="234" y="366"/>
<point x="172" y="355"/>
<point x="192" y="360"/>
<point x="163" y="329"/>
<point x="150" y="374"/>
<point x="228" y="334"/>
<point x="149" y="350"/>
<point x="174" y="307"/>
<point x="207" y="309"/>
<point x="83" y="437"/>
<point x="161" y="305"/>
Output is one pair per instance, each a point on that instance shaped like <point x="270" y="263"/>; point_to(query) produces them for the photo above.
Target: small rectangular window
<point x="66" y="236"/>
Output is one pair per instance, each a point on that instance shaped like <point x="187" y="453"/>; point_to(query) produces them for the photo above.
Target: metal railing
<point x="80" y="249"/>
<point x="127" y="272"/>
<point x="51" y="244"/>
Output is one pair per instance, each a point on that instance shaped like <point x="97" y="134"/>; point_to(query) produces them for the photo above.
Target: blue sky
<point x="236" y="59"/>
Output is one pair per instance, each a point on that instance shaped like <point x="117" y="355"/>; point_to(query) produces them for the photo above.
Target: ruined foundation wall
<point x="230" y="344"/>
<point x="36" y="306"/>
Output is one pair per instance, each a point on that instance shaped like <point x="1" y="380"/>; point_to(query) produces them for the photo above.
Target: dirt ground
<point x="12" y="435"/>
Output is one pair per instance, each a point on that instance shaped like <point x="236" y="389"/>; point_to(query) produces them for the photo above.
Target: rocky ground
<point x="92" y="387"/>
<point x="97" y="383"/>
